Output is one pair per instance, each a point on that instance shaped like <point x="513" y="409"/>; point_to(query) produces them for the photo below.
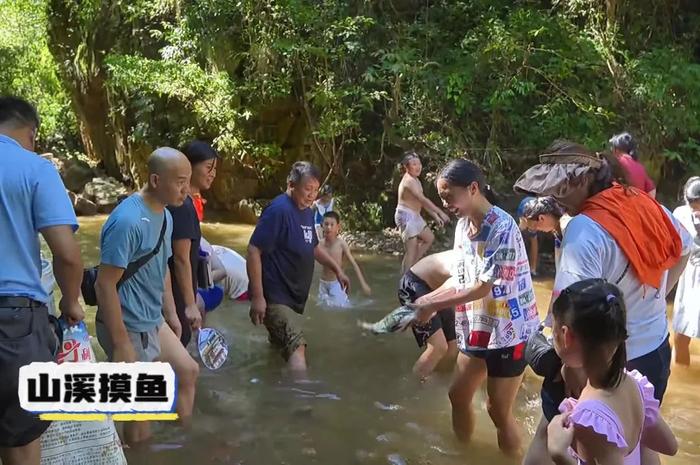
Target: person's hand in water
<point x="194" y="316"/>
<point x="367" y="290"/>
<point x="124" y="352"/>
<point x="72" y="311"/>
<point x="560" y="435"/>
<point x="258" y="308"/>
<point x="344" y="281"/>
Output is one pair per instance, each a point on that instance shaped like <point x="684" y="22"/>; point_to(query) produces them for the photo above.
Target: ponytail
<point x="490" y="194"/>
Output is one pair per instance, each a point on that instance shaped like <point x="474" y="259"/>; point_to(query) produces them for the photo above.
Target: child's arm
<point x="346" y="251"/>
<point x="660" y="438"/>
<point x="439" y="216"/>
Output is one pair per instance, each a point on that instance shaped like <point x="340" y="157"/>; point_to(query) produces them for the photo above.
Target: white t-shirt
<point x="589" y="251"/>
<point x="236" y="281"/>
<point x="497" y="255"/>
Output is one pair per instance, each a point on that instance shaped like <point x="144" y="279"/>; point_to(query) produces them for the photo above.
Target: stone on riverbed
<point x="104" y="192"/>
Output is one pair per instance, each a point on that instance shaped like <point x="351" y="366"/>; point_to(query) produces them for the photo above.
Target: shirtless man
<point x="330" y="292"/>
<point x="416" y="235"/>
<point x="438" y="336"/>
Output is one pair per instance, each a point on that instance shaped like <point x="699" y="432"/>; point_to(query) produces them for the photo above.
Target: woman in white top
<point x="495" y="309"/>
<point x="686" y="308"/>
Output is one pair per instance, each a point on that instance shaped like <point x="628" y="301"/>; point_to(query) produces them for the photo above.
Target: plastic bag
<point x="80" y="442"/>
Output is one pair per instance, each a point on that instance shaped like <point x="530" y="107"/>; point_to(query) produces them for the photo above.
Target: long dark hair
<point x="462" y="173"/>
<point x="595" y="310"/>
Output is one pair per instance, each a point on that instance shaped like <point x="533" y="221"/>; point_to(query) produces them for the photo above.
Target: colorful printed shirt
<point x="496" y="255"/>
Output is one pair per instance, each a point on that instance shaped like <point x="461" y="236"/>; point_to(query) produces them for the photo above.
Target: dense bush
<point x="351" y="84"/>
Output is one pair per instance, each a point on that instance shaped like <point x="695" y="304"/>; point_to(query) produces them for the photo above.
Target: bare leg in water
<point x="501" y="392"/>
<point x="537" y="453"/>
<point x="416" y="247"/>
<point x="186" y="369"/>
<point x="681" y="349"/>
<point x="437" y="349"/>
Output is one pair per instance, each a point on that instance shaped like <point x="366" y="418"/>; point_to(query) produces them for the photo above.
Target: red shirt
<point x="636" y="173"/>
<point x="199" y="202"/>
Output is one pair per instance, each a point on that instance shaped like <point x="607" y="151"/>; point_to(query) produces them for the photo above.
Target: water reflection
<point x="361" y="405"/>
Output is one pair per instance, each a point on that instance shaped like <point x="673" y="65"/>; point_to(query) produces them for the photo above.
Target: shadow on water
<point x="361" y="405"/>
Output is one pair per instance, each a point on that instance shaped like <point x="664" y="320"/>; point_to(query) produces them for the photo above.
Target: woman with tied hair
<point x="624" y="147"/>
<point x="617" y="234"/>
<point x="686" y="310"/>
<point x="495" y="310"/>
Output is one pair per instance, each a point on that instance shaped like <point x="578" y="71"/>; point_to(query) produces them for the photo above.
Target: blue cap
<point x="212" y="297"/>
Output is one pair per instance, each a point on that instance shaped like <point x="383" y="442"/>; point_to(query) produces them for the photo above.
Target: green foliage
<point x="28" y="70"/>
<point x="351" y="84"/>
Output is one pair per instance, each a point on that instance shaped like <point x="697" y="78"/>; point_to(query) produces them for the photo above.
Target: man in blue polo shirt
<point x="280" y="263"/>
<point x="32" y="200"/>
<point x="130" y="316"/>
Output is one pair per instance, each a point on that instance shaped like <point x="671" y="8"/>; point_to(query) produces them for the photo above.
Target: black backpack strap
<point x="624" y="273"/>
<point x="134" y="266"/>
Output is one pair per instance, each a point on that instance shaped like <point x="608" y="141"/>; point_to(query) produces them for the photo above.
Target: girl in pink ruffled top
<point x="616" y="413"/>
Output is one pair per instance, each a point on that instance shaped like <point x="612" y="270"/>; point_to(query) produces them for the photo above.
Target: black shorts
<point x="25" y="336"/>
<point x="411" y="287"/>
<point x="508" y="362"/>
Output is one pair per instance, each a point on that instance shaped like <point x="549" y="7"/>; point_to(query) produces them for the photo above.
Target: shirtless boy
<point x="416" y="235"/>
<point x="438" y="336"/>
<point x="330" y="292"/>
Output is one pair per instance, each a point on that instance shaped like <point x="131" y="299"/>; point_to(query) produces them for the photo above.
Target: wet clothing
<point x="496" y="255"/>
<point x="636" y="173"/>
<point x="130" y="232"/>
<point x="285" y="236"/>
<point x="285" y="329"/>
<point x="185" y="226"/>
<point x="409" y="222"/>
<point x="332" y="294"/>
<point x="686" y="307"/>
<point x="32" y="197"/>
<point x="411" y="288"/>
<point x="25" y="336"/>
<point x="650" y="241"/>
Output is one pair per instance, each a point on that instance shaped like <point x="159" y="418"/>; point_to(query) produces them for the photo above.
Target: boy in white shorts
<point x="330" y="292"/>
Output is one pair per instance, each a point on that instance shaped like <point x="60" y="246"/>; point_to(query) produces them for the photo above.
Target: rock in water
<point x="398" y="320"/>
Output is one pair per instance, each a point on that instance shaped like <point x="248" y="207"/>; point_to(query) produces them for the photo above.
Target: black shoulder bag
<point x="87" y="288"/>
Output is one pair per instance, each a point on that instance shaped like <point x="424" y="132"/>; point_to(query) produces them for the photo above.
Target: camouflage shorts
<point x="284" y="326"/>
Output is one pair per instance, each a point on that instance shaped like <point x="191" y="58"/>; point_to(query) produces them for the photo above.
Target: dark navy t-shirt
<point x="285" y="235"/>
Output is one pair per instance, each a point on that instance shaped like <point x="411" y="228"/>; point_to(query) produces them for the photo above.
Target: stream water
<point x="361" y="405"/>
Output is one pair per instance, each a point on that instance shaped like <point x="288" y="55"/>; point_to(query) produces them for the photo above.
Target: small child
<point x="616" y="414"/>
<point x="321" y="206"/>
<point x="330" y="292"/>
<point x="415" y="233"/>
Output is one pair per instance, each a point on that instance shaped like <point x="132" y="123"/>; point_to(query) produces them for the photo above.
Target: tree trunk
<point x="79" y="39"/>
